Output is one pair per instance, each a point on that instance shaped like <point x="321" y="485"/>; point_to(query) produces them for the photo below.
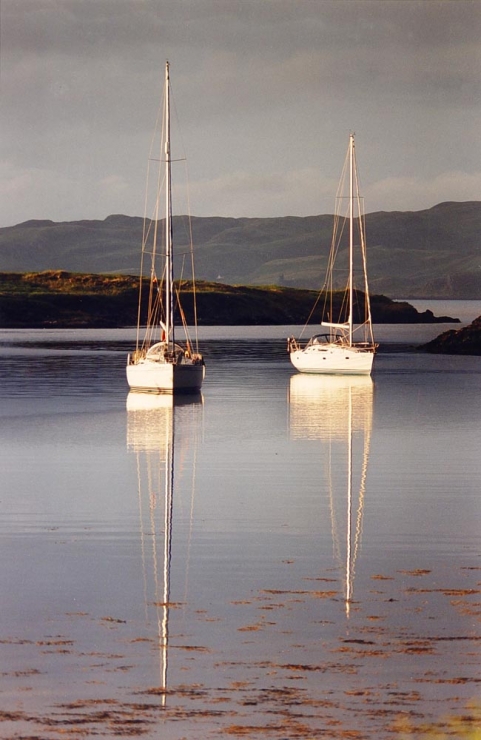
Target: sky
<point x="265" y="96"/>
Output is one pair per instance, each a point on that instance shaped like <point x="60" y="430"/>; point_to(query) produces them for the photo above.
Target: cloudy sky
<point x="266" y="93"/>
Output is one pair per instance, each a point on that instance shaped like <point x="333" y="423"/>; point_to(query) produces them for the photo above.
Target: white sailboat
<point x="347" y="347"/>
<point x="337" y="411"/>
<point x="159" y="363"/>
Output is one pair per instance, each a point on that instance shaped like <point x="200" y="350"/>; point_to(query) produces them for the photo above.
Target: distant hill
<point x="435" y="253"/>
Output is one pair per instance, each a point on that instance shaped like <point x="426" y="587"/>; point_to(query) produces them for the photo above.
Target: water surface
<point x="281" y="557"/>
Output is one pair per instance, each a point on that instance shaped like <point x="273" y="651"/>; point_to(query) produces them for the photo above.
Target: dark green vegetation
<point x="433" y="253"/>
<point x="63" y="299"/>
<point x="465" y="341"/>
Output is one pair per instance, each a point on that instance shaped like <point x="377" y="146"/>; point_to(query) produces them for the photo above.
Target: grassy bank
<point x="63" y="299"/>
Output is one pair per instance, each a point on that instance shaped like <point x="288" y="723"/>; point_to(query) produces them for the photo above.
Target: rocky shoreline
<point x="464" y="341"/>
<point x="70" y="300"/>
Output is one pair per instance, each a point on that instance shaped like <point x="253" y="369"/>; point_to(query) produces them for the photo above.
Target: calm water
<point x="281" y="558"/>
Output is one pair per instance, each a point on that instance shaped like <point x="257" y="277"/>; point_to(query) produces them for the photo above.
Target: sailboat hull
<point x="165" y="377"/>
<point x="333" y="360"/>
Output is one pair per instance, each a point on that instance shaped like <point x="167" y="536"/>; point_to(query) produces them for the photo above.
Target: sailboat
<point x="347" y="347"/>
<point x="337" y="411"/>
<point x="159" y="363"/>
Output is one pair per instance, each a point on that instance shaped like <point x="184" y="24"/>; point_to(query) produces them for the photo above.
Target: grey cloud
<point x="262" y="88"/>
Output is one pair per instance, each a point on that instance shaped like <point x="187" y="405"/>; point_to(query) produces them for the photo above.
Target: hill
<point x="63" y="299"/>
<point x="434" y="253"/>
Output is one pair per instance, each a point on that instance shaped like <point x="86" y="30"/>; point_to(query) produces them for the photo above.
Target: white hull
<point x="332" y="359"/>
<point x="165" y="377"/>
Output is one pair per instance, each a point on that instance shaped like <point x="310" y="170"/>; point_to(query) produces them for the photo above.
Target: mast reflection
<point x="151" y="428"/>
<point x="337" y="410"/>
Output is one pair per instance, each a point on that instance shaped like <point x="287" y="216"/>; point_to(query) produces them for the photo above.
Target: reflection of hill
<point x="151" y="423"/>
<point x="337" y="411"/>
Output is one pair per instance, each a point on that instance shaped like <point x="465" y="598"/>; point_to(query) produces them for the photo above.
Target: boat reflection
<point x="152" y="422"/>
<point x="337" y="410"/>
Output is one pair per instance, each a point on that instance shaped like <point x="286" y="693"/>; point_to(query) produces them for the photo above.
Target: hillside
<point x="433" y="253"/>
<point x="62" y="299"/>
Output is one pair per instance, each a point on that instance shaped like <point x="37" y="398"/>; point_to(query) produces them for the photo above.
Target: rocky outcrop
<point x="465" y="341"/>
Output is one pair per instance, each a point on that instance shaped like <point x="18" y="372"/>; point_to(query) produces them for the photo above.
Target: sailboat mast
<point x="169" y="266"/>
<point x="351" y="232"/>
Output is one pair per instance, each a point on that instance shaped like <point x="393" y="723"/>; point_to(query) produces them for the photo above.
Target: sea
<point x="283" y="556"/>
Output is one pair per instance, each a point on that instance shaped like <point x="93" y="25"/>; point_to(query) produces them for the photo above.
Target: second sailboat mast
<point x="351" y="233"/>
